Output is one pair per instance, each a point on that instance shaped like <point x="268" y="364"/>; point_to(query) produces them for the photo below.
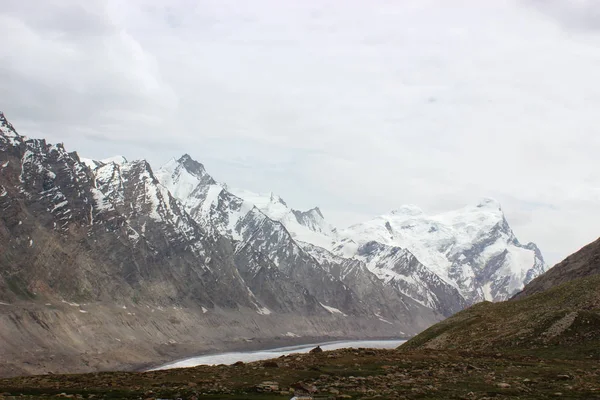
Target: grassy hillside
<point x="562" y="322"/>
<point x="582" y="264"/>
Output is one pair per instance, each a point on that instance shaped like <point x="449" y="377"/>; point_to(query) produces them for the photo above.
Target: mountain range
<point x="112" y="264"/>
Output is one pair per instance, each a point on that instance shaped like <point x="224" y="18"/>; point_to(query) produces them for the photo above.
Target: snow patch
<point x="487" y="291"/>
<point x="119" y="160"/>
<point x="333" y="310"/>
<point x="263" y="311"/>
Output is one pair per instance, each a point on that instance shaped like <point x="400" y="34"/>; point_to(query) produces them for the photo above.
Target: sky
<point x="358" y="107"/>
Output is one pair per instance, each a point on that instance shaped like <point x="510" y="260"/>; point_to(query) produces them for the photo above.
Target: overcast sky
<point x="355" y="106"/>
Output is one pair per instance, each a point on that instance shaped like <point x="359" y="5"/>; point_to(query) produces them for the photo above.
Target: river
<point x="249" y="356"/>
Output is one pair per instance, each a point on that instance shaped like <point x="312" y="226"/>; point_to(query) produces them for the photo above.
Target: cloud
<point x="68" y="61"/>
<point x="357" y="108"/>
<point x="576" y="15"/>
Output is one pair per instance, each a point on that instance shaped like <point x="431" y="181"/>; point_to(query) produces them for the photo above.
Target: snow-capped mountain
<point x="443" y="262"/>
<point x="473" y="248"/>
<point x="304" y="226"/>
<point x="268" y="253"/>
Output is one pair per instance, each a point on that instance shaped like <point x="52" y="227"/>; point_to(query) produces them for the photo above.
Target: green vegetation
<point x="19" y="288"/>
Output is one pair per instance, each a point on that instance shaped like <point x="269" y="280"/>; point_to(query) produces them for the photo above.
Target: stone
<point x="270" y="364"/>
<point x="317" y="349"/>
<point x="267" y="386"/>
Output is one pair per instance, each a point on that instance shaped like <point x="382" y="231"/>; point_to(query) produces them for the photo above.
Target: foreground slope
<point x="338" y="374"/>
<point x="563" y="320"/>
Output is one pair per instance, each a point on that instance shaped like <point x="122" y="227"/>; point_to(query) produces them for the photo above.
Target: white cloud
<point x="358" y="108"/>
<point x="577" y="15"/>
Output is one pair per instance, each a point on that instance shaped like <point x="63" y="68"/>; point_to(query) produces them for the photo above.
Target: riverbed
<point x="249" y="356"/>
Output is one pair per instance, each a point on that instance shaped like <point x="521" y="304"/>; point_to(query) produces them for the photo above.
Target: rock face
<point x="78" y="235"/>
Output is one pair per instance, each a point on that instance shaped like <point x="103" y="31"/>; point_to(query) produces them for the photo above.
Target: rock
<point x="267" y="386"/>
<point x="270" y="364"/>
<point x="503" y="385"/>
<point x="564" y="377"/>
<point x="334" y="391"/>
<point x="238" y="364"/>
<point x="304" y="388"/>
<point x="317" y="349"/>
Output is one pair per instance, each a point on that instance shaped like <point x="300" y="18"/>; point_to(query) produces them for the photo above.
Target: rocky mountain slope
<point x="556" y="314"/>
<point x="444" y="262"/>
<point x="473" y="250"/>
<point x="274" y="265"/>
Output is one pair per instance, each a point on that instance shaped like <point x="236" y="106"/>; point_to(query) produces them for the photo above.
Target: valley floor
<point x="338" y="374"/>
<point x="58" y="338"/>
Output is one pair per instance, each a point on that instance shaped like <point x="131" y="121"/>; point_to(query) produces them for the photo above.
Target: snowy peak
<point x="304" y="226"/>
<point x="119" y="160"/>
<point x="472" y="248"/>
<point x="273" y="198"/>
<point x="193" y="167"/>
<point x="313" y="219"/>
<point x="189" y="182"/>
<point x="7" y="131"/>
<point x="185" y="178"/>
<point x="93" y="164"/>
<point x="6" y="128"/>
<point x="489" y="204"/>
<point x="408" y="210"/>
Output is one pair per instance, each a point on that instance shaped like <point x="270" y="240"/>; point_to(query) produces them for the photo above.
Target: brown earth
<point x="340" y="374"/>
